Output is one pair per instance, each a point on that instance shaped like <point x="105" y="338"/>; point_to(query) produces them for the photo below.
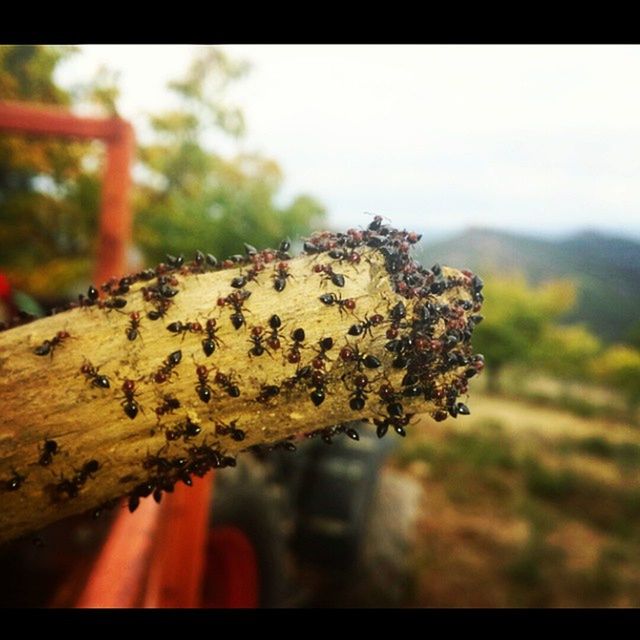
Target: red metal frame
<point x="117" y="134"/>
<point x="156" y="557"/>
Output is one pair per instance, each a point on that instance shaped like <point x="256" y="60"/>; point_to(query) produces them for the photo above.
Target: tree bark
<point x="104" y="449"/>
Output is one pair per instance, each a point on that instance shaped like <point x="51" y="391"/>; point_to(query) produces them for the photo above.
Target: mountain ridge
<point x="605" y="268"/>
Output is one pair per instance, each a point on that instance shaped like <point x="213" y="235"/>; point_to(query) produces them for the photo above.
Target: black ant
<point x="298" y="337"/>
<point x="91" y="373"/>
<point x="283" y="250"/>
<point x="202" y="388"/>
<point x="365" y="326"/>
<point x="15" y="482"/>
<point x="129" y="405"/>
<point x="48" y="346"/>
<point x="230" y="429"/>
<point x="227" y="383"/>
<point x="344" y="305"/>
<point x="166" y="370"/>
<point x="352" y="354"/>
<point x="280" y="276"/>
<point x="133" y="330"/>
<point x="273" y="341"/>
<point x="49" y="449"/>
<point x="211" y="341"/>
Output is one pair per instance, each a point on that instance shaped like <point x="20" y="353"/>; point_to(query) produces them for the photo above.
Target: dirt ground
<point x="524" y="505"/>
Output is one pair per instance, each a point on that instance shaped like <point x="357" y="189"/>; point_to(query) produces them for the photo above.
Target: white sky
<point x="541" y="139"/>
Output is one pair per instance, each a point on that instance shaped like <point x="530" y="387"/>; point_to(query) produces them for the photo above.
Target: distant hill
<point x="606" y="269"/>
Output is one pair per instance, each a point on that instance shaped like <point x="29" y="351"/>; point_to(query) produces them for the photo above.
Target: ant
<point x="133" y="330"/>
<point x="211" y="341"/>
<point x="169" y="405"/>
<point x="328" y="274"/>
<point x="280" y="276"/>
<point x="391" y="397"/>
<point x="317" y="381"/>
<point x="236" y="300"/>
<point x="91" y="373"/>
<point x="256" y="340"/>
<point x="362" y="327"/>
<point x="112" y="303"/>
<point x="325" y="345"/>
<point x="273" y="340"/>
<point x="298" y="337"/>
<point x="167" y="368"/>
<point x="344" y="306"/>
<point x="190" y="429"/>
<point x="300" y="375"/>
<point x="183" y="328"/>
<point x="267" y="391"/>
<point x="202" y="388"/>
<point x="230" y="429"/>
<point x="48" y="346"/>
<point x="160" y="311"/>
<point x="352" y="354"/>
<point x="129" y="405"/>
<point x="15" y="482"/>
<point x="283" y="250"/>
<point x="359" y="396"/>
<point x="227" y="383"/>
<point x="48" y="451"/>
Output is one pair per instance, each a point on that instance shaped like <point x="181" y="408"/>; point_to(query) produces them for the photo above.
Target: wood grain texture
<point x="48" y="397"/>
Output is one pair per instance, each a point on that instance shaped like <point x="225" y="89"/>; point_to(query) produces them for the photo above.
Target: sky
<point x="532" y="139"/>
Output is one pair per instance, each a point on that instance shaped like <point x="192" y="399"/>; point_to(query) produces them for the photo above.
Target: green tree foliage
<point x="194" y="198"/>
<point x="48" y="200"/>
<point x="619" y="366"/>
<point x="522" y="327"/>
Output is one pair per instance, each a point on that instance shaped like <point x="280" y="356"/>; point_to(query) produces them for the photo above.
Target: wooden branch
<point x="98" y="403"/>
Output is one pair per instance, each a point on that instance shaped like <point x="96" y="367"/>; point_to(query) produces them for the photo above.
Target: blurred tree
<point x="619" y="366"/>
<point x="521" y="327"/>
<point x="49" y="195"/>
<point x="188" y="197"/>
<point x="193" y="198"/>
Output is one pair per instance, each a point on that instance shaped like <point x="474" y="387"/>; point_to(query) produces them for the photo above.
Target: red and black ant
<point x="166" y="370"/>
<point x="49" y="346"/>
<point x="344" y="305"/>
<point x="365" y="326"/>
<point x="267" y="392"/>
<point x="230" y="429"/>
<point x="273" y="341"/>
<point x="133" y="330"/>
<point x="298" y="337"/>
<point x="329" y="275"/>
<point x="227" y="383"/>
<point x="91" y="373"/>
<point x="202" y="388"/>
<point x="169" y="405"/>
<point x="280" y="276"/>
<point x="325" y="344"/>
<point x="183" y="328"/>
<point x="129" y="404"/>
<point x="352" y="354"/>
<point x="187" y="430"/>
<point x="210" y="343"/>
<point x="257" y="340"/>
